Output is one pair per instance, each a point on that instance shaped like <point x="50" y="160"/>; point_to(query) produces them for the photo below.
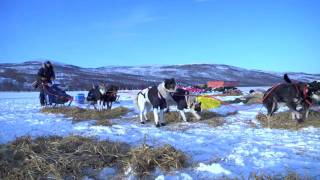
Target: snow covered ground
<point x="235" y="149"/>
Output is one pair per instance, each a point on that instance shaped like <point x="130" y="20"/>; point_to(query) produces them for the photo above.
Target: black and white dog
<point x="182" y="99"/>
<point x="292" y="94"/>
<point x="155" y="98"/>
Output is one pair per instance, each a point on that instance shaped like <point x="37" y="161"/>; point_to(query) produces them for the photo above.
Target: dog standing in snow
<point x="182" y="99"/>
<point x="155" y="98"/>
<point x="110" y="96"/>
<point x="96" y="96"/>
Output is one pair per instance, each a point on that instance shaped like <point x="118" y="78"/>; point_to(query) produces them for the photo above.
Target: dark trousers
<point x="42" y="96"/>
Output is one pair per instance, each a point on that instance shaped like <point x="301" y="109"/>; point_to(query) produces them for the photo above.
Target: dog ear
<point x="169" y="81"/>
<point x="312" y="84"/>
<point x="317" y="84"/>
<point x="286" y="78"/>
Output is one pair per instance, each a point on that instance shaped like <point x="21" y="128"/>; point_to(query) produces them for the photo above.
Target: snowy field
<point x="235" y="149"/>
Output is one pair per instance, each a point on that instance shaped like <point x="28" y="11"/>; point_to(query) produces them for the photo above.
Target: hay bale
<point x="73" y="157"/>
<point x="80" y="114"/>
<point x="209" y="117"/>
<point x="71" y="144"/>
<point x="58" y="157"/>
<point x="250" y="99"/>
<point x="213" y="119"/>
<point x="144" y="160"/>
<point x="254" y="98"/>
<point x="215" y="122"/>
<point x="283" y="120"/>
<point x="235" y="101"/>
<point x="103" y="122"/>
<point x="206" y="115"/>
<point x="290" y="175"/>
<point x="22" y="162"/>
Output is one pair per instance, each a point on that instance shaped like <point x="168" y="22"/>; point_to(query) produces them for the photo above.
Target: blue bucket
<point x="80" y="98"/>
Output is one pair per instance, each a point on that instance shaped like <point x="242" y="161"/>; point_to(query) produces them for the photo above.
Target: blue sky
<point x="275" y="35"/>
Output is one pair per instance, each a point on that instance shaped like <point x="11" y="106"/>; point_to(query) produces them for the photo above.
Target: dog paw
<point x="142" y="122"/>
<point x="162" y="124"/>
<point x="300" y="121"/>
<point x="157" y="125"/>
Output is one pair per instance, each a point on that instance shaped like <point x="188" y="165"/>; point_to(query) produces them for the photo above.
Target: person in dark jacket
<point x="45" y="77"/>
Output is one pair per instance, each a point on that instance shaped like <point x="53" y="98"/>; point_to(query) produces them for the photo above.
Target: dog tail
<point x="286" y="78"/>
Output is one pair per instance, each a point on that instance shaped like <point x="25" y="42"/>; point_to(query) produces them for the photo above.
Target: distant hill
<point x="19" y="76"/>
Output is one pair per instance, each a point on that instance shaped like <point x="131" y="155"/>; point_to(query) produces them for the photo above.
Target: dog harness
<point x="269" y="93"/>
<point x="144" y="94"/>
<point x="305" y="95"/>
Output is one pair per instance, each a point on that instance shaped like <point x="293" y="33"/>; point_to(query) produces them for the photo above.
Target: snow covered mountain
<point x="19" y="76"/>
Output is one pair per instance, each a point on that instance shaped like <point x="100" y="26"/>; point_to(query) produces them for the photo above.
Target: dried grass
<point x="79" y="114"/>
<point x="254" y="99"/>
<point x="145" y="159"/>
<point x="288" y="176"/>
<point x="71" y="157"/>
<point x="283" y="120"/>
<point x="251" y="99"/>
<point x="58" y="157"/>
<point x="208" y="117"/>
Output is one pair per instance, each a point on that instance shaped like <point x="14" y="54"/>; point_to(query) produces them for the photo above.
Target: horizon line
<point x="200" y="63"/>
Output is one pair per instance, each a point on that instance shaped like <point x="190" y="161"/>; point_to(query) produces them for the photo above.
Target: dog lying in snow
<point x="155" y="97"/>
<point x="292" y="94"/>
<point x="183" y="100"/>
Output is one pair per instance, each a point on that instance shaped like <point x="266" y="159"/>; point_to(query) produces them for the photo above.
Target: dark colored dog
<point x="183" y="100"/>
<point x="110" y="96"/>
<point x="292" y="94"/>
<point x="96" y="96"/>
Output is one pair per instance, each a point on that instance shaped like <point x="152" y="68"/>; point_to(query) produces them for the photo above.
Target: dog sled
<point x="55" y="95"/>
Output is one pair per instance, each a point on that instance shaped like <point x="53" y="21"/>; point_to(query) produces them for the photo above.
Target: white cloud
<point x="123" y="27"/>
<point x="136" y="17"/>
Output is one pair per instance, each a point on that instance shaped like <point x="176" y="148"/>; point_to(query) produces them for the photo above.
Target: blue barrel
<point x="80" y="98"/>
